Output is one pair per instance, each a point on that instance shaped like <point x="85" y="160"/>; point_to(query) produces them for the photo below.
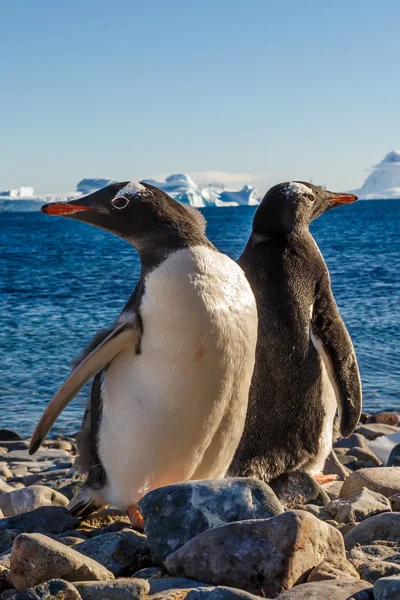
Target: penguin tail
<point x="82" y="504"/>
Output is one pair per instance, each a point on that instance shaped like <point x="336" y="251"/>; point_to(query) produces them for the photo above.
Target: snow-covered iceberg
<point x="89" y="185"/>
<point x="384" y="180"/>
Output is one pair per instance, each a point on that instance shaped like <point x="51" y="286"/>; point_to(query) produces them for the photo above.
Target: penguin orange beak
<point x="343" y="198"/>
<point x="63" y="208"/>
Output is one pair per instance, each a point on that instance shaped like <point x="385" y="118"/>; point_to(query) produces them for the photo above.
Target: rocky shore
<point x="230" y="539"/>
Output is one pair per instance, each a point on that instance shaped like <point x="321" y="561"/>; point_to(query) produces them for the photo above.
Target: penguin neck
<point x="270" y="234"/>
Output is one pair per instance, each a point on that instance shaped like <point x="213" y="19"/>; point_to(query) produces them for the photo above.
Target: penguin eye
<point x="120" y="202"/>
<point x="310" y="197"/>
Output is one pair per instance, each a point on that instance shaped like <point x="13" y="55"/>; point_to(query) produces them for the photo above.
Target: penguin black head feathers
<point x="291" y="206"/>
<point x="140" y="213"/>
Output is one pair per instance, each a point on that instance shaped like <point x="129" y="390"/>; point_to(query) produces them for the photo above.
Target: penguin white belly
<point x="177" y="409"/>
<point x="329" y="402"/>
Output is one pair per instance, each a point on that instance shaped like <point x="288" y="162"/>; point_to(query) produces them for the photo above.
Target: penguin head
<point x="140" y="213"/>
<point x="291" y="206"/>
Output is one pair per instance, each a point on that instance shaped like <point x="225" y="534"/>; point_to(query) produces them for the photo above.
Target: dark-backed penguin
<point x="172" y="376"/>
<point x="305" y="367"/>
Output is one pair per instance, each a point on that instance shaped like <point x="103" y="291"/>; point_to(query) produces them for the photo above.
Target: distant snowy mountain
<point x="87" y="186"/>
<point x="384" y="181"/>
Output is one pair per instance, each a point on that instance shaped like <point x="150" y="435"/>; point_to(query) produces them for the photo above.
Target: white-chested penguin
<point x="305" y="367"/>
<point x="172" y="377"/>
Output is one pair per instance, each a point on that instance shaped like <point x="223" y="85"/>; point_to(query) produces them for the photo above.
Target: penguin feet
<point x="135" y="517"/>
<point x="321" y="478"/>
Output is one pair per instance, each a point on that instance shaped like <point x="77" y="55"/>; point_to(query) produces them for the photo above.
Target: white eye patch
<point x="119" y="202"/>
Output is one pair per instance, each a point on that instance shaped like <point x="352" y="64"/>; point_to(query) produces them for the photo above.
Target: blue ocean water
<point x="61" y="281"/>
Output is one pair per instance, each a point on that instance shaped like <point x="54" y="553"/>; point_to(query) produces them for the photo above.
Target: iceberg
<point x="384" y="180"/>
<point x="89" y="185"/>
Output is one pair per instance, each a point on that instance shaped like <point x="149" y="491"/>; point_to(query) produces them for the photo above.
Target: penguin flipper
<point x="333" y="343"/>
<point x="123" y="336"/>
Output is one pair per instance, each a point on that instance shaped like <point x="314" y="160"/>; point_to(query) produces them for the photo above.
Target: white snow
<point x="21" y="192"/>
<point x="383" y="446"/>
<point x="384" y="180"/>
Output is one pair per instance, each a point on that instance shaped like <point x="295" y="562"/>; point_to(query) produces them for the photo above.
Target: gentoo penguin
<point x="305" y="367"/>
<point x="172" y="376"/>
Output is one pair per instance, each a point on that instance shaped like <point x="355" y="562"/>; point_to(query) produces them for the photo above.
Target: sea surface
<point x="61" y="281"/>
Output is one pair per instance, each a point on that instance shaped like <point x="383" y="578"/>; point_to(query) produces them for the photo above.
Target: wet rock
<point x="120" y="589"/>
<point x="358" y="506"/>
<point x="386" y="418"/>
<point x="36" y="558"/>
<point x="46" y="519"/>
<point x="355" y="439"/>
<point x="118" y="551"/>
<point x="375" y="430"/>
<point x="342" y="589"/>
<point x="381" y="527"/>
<point x="7" y="537"/>
<point x="332" y="489"/>
<point x="56" y="589"/>
<point x="387" y="588"/>
<point x="176" y="513"/>
<point x="292" y="487"/>
<point x="366" y="456"/>
<point x="366" y="554"/>
<point x="379" y="568"/>
<point x="27" y="499"/>
<point x="342" y="570"/>
<point x="394" y="457"/>
<point x="7" y="435"/>
<point x="263" y="557"/>
<point x="333" y="466"/>
<point x="395" y="502"/>
<point x="384" y="480"/>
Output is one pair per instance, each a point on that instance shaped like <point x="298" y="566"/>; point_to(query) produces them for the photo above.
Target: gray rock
<point x="387" y="418"/>
<point x="71" y="489"/>
<point x="23" y="455"/>
<point x="358" y="506"/>
<point x="348" y="461"/>
<point x="120" y="589"/>
<point x="36" y="558"/>
<point x="384" y="480"/>
<point x="332" y="489"/>
<point x="5" y="488"/>
<point x="355" y="439"/>
<point x="176" y="513"/>
<point x="161" y="584"/>
<point x="207" y="593"/>
<point x="342" y="589"/>
<point x="317" y="511"/>
<point x="375" y="430"/>
<point x="395" y="502"/>
<point x="7" y="537"/>
<point x="292" y="486"/>
<point x="363" y="554"/>
<point x="381" y="527"/>
<point x="333" y="466"/>
<point x="325" y="571"/>
<point x="366" y="456"/>
<point x="27" y="499"/>
<point x="149" y="573"/>
<point x="118" y="551"/>
<point x="374" y="570"/>
<point x="394" y="457"/>
<point x="57" y="477"/>
<point x="56" y="589"/>
<point x="262" y="556"/>
<point x="387" y="588"/>
<point x="46" y="519"/>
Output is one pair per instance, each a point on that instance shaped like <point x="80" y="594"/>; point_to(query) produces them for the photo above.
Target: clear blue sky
<point x="129" y="89"/>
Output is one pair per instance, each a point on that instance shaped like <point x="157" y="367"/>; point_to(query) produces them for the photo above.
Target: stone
<point x="358" y="506"/>
<point x="7" y="537"/>
<point x="120" y="589"/>
<point x="375" y="430"/>
<point x="333" y="466"/>
<point x="150" y="573"/>
<point x="111" y="528"/>
<point x="5" y="488"/>
<point x="376" y="569"/>
<point x="118" y="551"/>
<point x="348" y="461"/>
<point x="395" y="502"/>
<point x="341" y="589"/>
<point x="204" y="593"/>
<point x="22" y="455"/>
<point x="394" y="457"/>
<point x="27" y="499"/>
<point x="314" y="509"/>
<point x="326" y="570"/>
<point x="292" y="487"/>
<point x="161" y="584"/>
<point x="384" y="480"/>
<point x="56" y="589"/>
<point x="5" y="471"/>
<point x="7" y="435"/>
<point x="387" y="588"/>
<point x="71" y="489"/>
<point x="52" y="478"/>
<point x="366" y="456"/>
<point x="46" y="519"/>
<point x="381" y="527"/>
<point x="36" y="558"/>
<point x="332" y="489"/>
<point x="263" y="557"/>
<point x="105" y="517"/>
<point x="386" y="418"/>
<point x="176" y="513"/>
<point x="355" y="439"/>
<point x="363" y="554"/>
